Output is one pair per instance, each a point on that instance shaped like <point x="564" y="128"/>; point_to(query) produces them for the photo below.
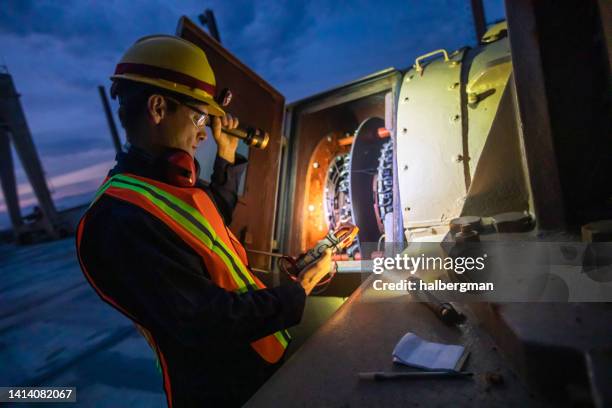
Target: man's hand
<point x="311" y="276"/>
<point x="226" y="144"/>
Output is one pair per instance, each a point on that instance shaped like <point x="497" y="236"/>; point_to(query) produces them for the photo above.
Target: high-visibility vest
<point x="193" y="216"/>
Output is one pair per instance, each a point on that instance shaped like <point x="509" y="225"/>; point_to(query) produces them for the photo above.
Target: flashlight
<point x="251" y="136"/>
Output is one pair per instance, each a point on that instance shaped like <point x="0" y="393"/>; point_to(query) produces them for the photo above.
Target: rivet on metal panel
<point x="404" y="130"/>
<point x="458" y="158"/>
<point x="409" y="77"/>
<point x="406" y="167"/>
<point x="455" y="118"/>
<point x="315" y="165"/>
<point x="406" y="99"/>
<point x="406" y="209"/>
<point x="329" y="139"/>
<point x="453" y="64"/>
<point x="453" y="86"/>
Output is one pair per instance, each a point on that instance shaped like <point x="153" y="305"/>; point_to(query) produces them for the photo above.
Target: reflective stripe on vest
<point x="163" y="201"/>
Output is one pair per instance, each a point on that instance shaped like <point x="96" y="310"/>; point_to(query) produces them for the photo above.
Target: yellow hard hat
<point x="171" y="63"/>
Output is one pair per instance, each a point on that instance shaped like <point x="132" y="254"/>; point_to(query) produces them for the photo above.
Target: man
<point x="154" y="243"/>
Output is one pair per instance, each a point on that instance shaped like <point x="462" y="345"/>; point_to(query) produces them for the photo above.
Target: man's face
<point x="178" y="128"/>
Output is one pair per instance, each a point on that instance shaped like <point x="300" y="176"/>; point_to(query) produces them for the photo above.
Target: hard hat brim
<point x="194" y="93"/>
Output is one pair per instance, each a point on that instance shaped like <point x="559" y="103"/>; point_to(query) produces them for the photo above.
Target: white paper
<point x="415" y="352"/>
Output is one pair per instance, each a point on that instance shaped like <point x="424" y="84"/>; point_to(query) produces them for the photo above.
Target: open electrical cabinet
<point x="297" y="188"/>
<point x="259" y="105"/>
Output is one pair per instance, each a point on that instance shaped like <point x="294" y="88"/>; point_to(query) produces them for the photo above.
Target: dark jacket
<point x="203" y="331"/>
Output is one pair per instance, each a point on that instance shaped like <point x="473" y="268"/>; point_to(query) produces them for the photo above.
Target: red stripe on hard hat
<point x="152" y="71"/>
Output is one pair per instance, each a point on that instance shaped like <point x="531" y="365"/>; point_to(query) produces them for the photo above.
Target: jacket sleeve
<point x="145" y="268"/>
<point x="224" y="184"/>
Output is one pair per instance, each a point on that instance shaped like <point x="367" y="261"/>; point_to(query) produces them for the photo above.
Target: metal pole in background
<point x="15" y="121"/>
<point x="7" y="178"/>
<point x="110" y="119"/>
<point x="208" y="19"/>
<point x="480" y="23"/>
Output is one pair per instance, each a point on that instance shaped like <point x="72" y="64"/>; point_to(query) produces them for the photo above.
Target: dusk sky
<point x="58" y="52"/>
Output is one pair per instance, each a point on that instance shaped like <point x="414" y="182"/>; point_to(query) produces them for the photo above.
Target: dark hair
<point x="133" y="98"/>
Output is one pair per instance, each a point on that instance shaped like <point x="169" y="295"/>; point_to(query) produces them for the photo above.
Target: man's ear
<point x="156" y="108"/>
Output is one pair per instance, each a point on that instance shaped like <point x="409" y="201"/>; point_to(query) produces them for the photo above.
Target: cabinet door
<point x="256" y="104"/>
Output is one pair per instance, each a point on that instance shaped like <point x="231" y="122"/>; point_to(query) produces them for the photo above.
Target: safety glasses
<point x="199" y="119"/>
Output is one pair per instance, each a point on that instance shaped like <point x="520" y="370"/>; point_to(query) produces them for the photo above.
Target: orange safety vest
<point x="193" y="216"/>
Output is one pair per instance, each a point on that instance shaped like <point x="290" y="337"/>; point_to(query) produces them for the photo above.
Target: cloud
<point x="59" y="51"/>
<point x="85" y="28"/>
<point x="346" y="43"/>
<point x="305" y="47"/>
<point x="79" y="182"/>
